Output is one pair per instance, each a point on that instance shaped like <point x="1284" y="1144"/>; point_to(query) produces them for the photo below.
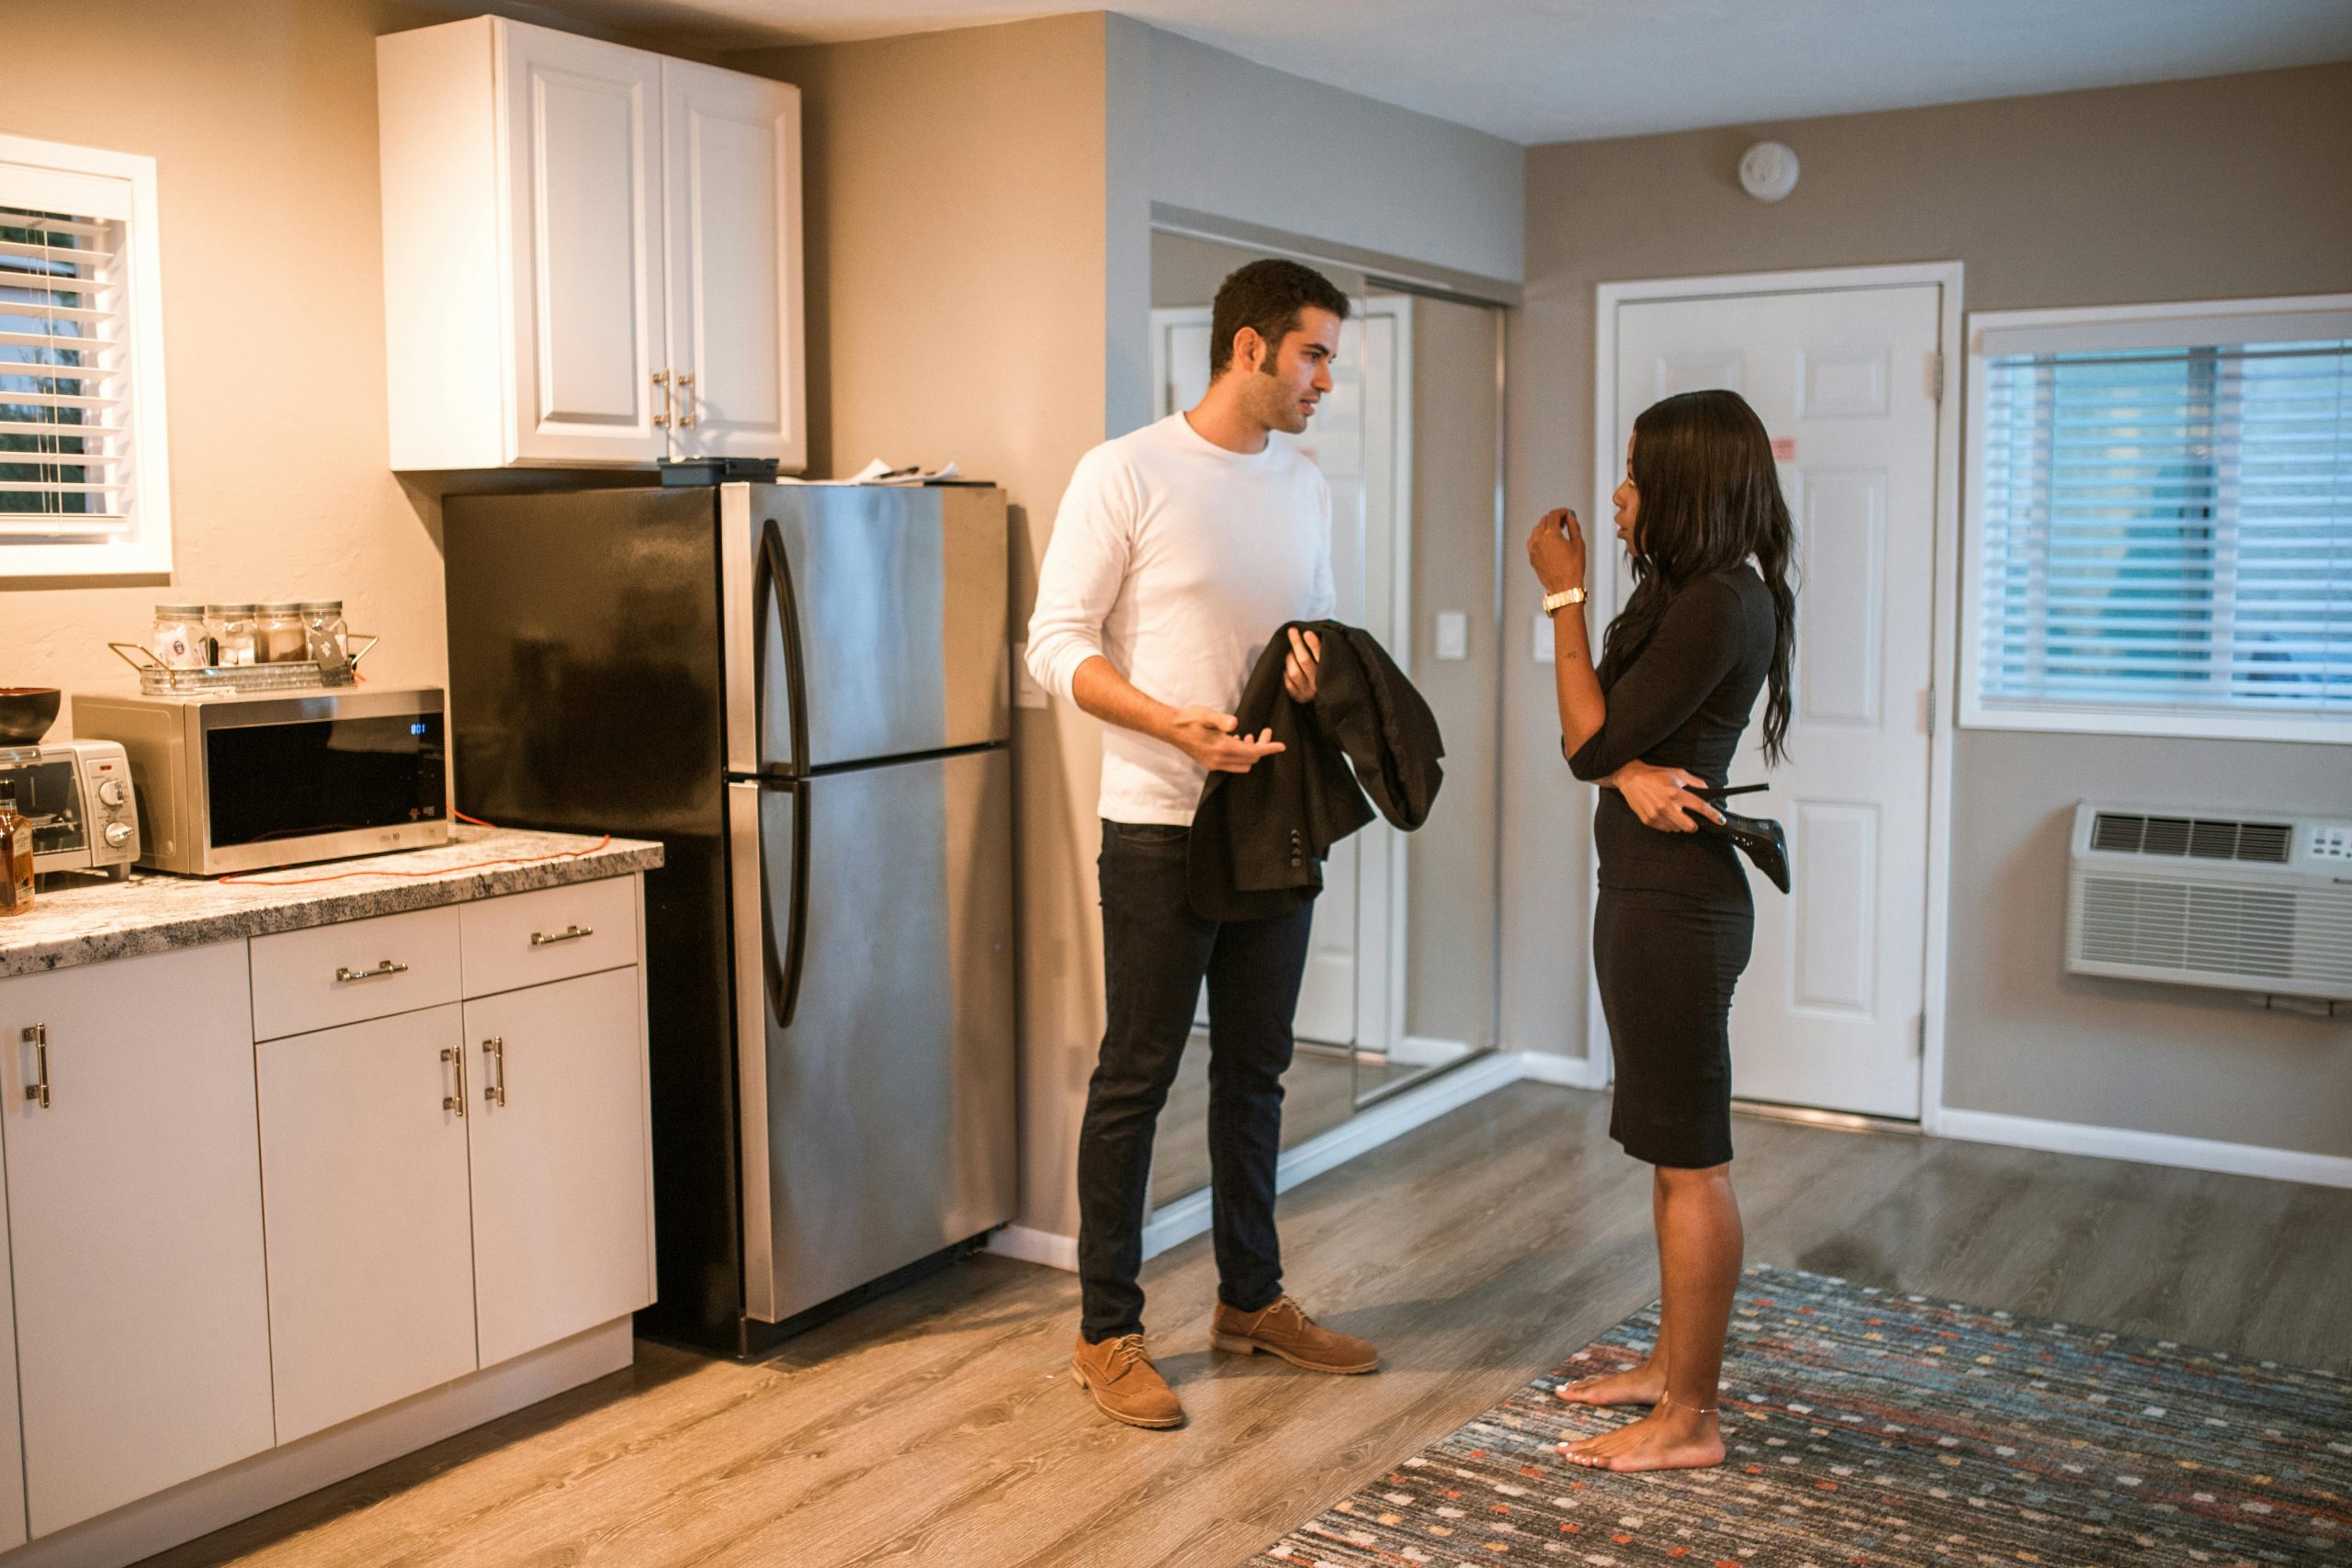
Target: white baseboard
<point x="1189" y="1216"/>
<point x="2147" y="1148"/>
<point x="1049" y="1247"/>
<point x="1569" y="1072"/>
<point x="1427" y="1051"/>
<point x="141" y="1529"/>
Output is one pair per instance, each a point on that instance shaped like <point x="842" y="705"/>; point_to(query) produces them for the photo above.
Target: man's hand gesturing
<point x="1299" y="665"/>
<point x="1207" y="737"/>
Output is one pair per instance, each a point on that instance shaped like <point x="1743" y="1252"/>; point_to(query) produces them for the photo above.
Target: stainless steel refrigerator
<point x="803" y="692"/>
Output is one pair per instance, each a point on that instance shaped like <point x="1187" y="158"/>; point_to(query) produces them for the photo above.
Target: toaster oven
<point x="247" y="781"/>
<point x="78" y="795"/>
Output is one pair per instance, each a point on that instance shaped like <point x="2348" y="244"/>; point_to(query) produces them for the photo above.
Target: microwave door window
<point x="283" y="780"/>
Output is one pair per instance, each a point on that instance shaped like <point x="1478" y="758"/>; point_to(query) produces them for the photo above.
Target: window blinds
<point x="65" y="436"/>
<point x="2167" y="528"/>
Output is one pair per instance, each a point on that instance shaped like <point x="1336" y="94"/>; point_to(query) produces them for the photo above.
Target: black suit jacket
<point x="1259" y="838"/>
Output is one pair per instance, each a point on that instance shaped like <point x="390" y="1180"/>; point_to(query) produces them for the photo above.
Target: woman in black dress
<point x="1710" y="623"/>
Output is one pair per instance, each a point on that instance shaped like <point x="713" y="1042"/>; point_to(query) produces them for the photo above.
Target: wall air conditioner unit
<point x="2242" y="901"/>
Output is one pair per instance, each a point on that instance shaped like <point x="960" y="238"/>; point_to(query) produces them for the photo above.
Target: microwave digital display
<point x="283" y="780"/>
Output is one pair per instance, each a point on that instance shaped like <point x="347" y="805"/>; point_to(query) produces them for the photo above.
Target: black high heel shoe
<point x="1761" y="839"/>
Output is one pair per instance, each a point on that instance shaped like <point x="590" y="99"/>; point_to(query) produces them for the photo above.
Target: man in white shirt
<point x="1178" y="552"/>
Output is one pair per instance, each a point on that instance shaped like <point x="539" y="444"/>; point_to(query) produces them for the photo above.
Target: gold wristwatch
<point x="1555" y="603"/>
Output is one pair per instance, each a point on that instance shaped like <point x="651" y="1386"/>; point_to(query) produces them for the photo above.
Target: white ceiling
<point x="1535" y="70"/>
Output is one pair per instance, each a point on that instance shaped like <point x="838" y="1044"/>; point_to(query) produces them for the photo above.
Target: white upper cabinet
<point x="730" y="179"/>
<point x="592" y="253"/>
<point x="584" y="168"/>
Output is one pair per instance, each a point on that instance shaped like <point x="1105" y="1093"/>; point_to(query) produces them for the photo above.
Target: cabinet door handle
<point x="569" y="933"/>
<point x="686" y="395"/>
<point x="661" y="380"/>
<point x="495" y="1093"/>
<point x="37" y="1036"/>
<point x="456" y="1102"/>
<point x="383" y="968"/>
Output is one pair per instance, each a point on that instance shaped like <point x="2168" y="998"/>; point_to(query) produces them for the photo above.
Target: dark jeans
<point x="1155" y="953"/>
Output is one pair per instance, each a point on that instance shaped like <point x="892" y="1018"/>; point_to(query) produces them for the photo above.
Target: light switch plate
<point x="1026" y="692"/>
<point x="1542" y="638"/>
<point x="1453" y="634"/>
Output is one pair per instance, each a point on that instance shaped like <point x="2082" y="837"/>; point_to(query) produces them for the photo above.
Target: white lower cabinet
<point x="135" y="1227"/>
<point x="557" y="1133"/>
<point x="215" y="1245"/>
<point x="363" y="1161"/>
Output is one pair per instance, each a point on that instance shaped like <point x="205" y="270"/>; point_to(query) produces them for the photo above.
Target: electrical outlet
<point x="1542" y="638"/>
<point x="1453" y="634"/>
<point x="1026" y="692"/>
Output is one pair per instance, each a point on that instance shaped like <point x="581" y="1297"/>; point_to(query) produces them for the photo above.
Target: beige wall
<point x="2226" y="187"/>
<point x="956" y="235"/>
<point x="261" y="121"/>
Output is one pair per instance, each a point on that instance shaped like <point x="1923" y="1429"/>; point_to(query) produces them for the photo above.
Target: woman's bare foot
<point x="1641" y="1385"/>
<point x="1668" y="1437"/>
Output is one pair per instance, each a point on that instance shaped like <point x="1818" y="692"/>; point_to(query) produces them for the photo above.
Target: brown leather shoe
<point x="1283" y="1329"/>
<point x="1124" y="1384"/>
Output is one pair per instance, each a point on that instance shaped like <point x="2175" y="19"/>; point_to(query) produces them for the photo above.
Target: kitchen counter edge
<point x="93" y="922"/>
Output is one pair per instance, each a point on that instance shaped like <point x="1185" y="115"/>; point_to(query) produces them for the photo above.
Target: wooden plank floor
<point x="939" y="1426"/>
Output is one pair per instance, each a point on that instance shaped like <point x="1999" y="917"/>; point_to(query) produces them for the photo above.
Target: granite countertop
<point x="76" y="920"/>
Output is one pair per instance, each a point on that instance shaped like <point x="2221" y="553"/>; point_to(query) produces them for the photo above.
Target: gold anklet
<point x="1665" y="1400"/>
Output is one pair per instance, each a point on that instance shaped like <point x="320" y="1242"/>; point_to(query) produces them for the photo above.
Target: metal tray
<point x="158" y="680"/>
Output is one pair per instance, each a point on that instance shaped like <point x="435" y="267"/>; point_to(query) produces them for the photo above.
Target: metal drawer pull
<point x="37" y="1036"/>
<point x="384" y="967"/>
<point x="496" y="1051"/>
<point x="569" y="933"/>
<point x="456" y="1102"/>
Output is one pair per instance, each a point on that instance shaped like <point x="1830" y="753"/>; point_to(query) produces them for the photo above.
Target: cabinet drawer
<point x="340" y="974"/>
<point x="528" y="939"/>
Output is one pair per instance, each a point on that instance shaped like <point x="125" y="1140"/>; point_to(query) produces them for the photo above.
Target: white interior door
<point x="1348" y="995"/>
<point x="731" y="184"/>
<point x="583" y="137"/>
<point x="1844" y="380"/>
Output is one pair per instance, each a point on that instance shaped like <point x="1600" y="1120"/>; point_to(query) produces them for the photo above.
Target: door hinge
<point x="1923" y="1034"/>
<point x="1934" y="375"/>
<point x="1931" y="710"/>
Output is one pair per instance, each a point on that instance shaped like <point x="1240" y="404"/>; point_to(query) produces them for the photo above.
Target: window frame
<point x="1976" y="712"/>
<point x="145" y="547"/>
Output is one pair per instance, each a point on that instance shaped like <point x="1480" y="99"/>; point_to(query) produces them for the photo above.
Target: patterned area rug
<point x="1868" y="1428"/>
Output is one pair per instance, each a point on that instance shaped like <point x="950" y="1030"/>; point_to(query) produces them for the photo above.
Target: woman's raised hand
<point x="1661" y="797"/>
<point x="1555" y="549"/>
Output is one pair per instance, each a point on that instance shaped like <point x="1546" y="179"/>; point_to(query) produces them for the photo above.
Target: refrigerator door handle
<point x="747" y="880"/>
<point x="774" y="585"/>
<point x="782" y="979"/>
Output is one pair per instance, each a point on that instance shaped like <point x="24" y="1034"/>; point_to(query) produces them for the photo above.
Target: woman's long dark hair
<point x="1710" y="500"/>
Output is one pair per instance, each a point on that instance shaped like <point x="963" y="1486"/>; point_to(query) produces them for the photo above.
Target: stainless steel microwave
<point x="245" y="783"/>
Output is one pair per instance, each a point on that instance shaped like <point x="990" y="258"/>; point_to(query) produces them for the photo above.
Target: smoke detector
<point x="1768" y="171"/>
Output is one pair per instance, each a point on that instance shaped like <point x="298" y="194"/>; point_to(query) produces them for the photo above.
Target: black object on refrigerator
<point x="802" y="690"/>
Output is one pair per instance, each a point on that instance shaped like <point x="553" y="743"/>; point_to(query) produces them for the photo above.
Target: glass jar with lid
<point x="233" y="632"/>
<point x="281" y="635"/>
<point x="179" y="639"/>
<point x="330" y="638"/>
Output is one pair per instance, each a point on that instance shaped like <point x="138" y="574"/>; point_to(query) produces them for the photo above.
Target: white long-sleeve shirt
<point x="1177" y="561"/>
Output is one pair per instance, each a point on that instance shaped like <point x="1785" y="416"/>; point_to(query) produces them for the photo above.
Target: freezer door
<point x="877" y="972"/>
<point x="865" y="622"/>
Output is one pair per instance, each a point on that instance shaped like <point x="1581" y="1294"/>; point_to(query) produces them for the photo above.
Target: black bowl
<point x="26" y="714"/>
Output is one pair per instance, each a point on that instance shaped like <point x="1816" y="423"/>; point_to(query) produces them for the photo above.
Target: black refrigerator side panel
<point x="585" y="697"/>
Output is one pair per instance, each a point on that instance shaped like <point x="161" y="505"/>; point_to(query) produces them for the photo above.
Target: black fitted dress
<point x="1673" y="925"/>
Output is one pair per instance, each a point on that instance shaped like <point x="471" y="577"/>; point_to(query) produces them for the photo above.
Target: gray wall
<point x="2233" y="187"/>
<point x="1249" y="142"/>
<point x="1451" y="916"/>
